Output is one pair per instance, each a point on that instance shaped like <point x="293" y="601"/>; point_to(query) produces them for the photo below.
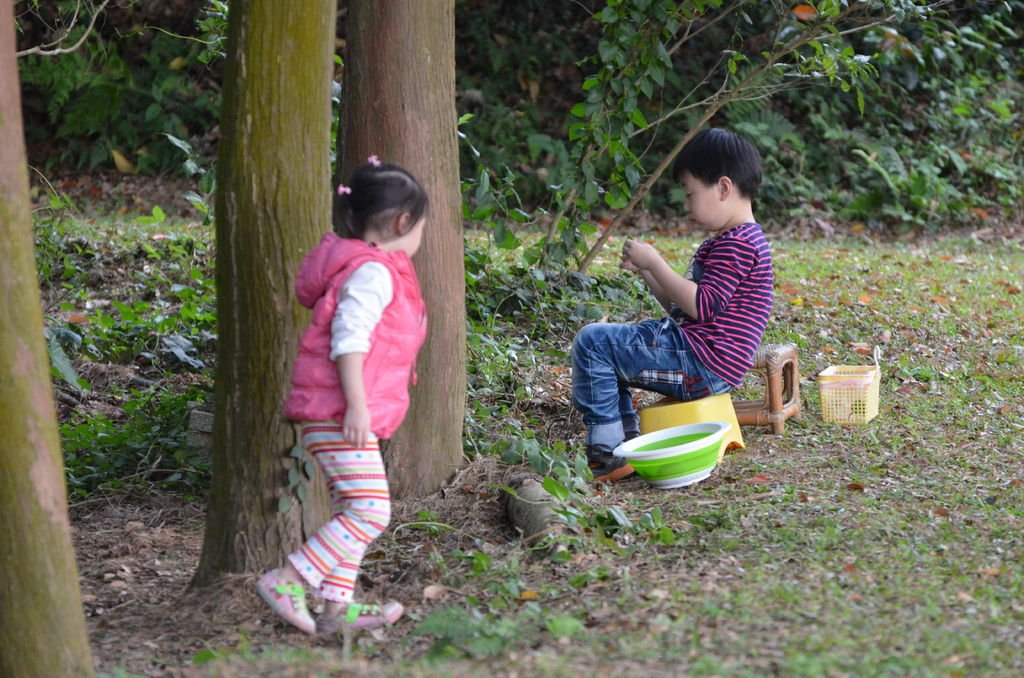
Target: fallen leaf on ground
<point x="861" y="348"/>
<point x="434" y="592"/>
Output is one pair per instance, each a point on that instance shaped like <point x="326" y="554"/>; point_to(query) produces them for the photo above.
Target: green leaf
<point x="564" y="626"/>
<point x="616" y="198"/>
<point x="204" y="656"/>
<point x="620" y="518"/>
<point x="310" y="468"/>
<point x="293" y="477"/>
<point x="483" y="186"/>
<point x="284" y="504"/>
<point x="297" y="452"/>
<point x="665" y="535"/>
<point x="61" y="364"/>
<point x="637" y="118"/>
<point x="126" y="311"/>
<point x="555" y="489"/>
<point x="157" y="217"/>
<point x="180" y="143"/>
<point x="646" y="87"/>
<point x="504" y="238"/>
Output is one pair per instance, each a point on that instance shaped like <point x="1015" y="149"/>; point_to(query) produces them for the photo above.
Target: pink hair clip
<point x="343" y="189"/>
<point x="373" y="160"/>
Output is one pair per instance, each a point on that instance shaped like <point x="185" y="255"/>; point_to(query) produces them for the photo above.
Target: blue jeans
<point x="608" y="359"/>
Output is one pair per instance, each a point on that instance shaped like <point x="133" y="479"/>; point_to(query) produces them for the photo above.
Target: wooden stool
<point x="777" y="366"/>
<point x="669" y="412"/>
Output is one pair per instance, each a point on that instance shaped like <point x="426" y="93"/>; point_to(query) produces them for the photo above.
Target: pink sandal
<point x="287" y="599"/>
<point x="360" y="616"/>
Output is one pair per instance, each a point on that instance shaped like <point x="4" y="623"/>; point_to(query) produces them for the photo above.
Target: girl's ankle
<point x="333" y="608"/>
<point x="288" y="573"/>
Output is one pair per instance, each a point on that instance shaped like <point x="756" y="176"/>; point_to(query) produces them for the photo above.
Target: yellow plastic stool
<point x="669" y="412"/>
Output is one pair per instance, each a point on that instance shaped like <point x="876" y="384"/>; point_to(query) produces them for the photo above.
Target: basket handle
<point x="877" y="354"/>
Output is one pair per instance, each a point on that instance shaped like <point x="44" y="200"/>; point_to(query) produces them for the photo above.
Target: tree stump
<point x="532" y="510"/>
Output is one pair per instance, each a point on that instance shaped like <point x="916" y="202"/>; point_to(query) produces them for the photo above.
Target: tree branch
<point x="717" y="102"/>
<point x="66" y="50"/>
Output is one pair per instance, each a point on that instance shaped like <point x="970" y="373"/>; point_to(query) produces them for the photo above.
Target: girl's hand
<point x="356" y="426"/>
<point x="638" y="256"/>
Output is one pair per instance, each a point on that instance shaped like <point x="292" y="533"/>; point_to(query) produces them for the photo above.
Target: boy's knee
<point x="585" y="337"/>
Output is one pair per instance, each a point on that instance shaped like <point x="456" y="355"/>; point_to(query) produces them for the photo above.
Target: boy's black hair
<point x="375" y="195"/>
<point x="715" y="153"/>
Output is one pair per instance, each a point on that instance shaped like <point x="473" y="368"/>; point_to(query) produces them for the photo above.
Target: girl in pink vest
<point x="350" y="387"/>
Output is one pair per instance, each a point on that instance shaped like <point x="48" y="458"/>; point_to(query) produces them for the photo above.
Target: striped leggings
<point x="360" y="510"/>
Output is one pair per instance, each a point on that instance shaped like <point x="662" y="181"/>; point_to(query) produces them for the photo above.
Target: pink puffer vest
<point x="388" y="367"/>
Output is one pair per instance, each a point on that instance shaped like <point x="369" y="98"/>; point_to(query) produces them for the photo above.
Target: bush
<point x="118" y="94"/>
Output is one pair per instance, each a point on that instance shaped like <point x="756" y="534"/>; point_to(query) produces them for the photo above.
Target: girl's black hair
<point x="715" y="153"/>
<point x="376" y="195"/>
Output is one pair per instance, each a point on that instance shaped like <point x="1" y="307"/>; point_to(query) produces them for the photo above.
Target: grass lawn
<point x="891" y="548"/>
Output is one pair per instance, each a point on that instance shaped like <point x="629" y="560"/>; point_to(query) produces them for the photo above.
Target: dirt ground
<point x="136" y="556"/>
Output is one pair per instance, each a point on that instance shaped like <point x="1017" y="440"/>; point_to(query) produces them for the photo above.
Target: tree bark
<point x="42" y="628"/>
<point x="399" y="104"/>
<point x="273" y="204"/>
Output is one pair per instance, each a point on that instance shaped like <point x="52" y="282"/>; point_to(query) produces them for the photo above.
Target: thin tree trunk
<point x="399" y="103"/>
<point x="273" y="203"/>
<point x="42" y="628"/>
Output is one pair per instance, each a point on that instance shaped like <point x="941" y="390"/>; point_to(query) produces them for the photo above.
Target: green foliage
<point x="638" y="102"/>
<point x="918" y="125"/>
<point x="507" y="307"/>
<point x="164" y="322"/>
<point x="145" y="446"/>
<point x="889" y="112"/>
<point x="212" y="27"/>
<point x="301" y="471"/>
<point x="60" y="363"/>
<point x="151" y="329"/>
<point x="474" y="634"/>
<point x="952" y="94"/>
<point x="194" y="166"/>
<point x="89" y="102"/>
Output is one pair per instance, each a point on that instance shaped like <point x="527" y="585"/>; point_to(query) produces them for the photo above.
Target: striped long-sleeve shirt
<point x="734" y="276"/>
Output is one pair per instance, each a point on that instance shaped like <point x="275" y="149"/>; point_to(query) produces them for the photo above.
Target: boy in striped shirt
<point x="716" y="311"/>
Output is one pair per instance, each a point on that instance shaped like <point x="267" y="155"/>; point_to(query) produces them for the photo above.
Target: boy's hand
<point x="638" y="256"/>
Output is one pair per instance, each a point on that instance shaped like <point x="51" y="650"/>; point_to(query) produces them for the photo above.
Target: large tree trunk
<point x="399" y="103"/>
<point x="273" y="203"/>
<point x="42" y="628"/>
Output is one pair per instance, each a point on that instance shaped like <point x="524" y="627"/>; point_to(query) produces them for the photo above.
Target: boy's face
<point x="707" y="205"/>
